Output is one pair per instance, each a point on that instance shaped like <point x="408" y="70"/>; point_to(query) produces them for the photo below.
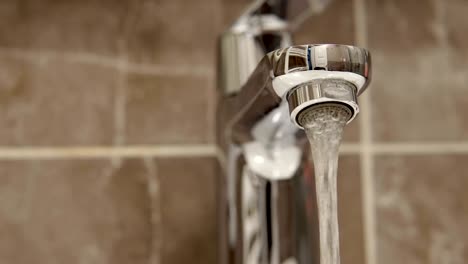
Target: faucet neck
<point x="244" y="45"/>
<point x="292" y="12"/>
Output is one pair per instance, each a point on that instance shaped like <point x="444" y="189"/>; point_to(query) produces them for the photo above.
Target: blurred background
<point x="107" y="145"/>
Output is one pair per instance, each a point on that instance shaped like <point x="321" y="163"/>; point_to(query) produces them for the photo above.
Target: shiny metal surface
<point x="323" y="61"/>
<point x="263" y="27"/>
<point x="267" y="202"/>
<point x="322" y="91"/>
<point x="278" y="72"/>
<point x="239" y="53"/>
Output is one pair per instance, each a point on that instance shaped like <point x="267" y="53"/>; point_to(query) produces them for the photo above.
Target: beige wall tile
<point x="54" y="102"/>
<point x="231" y="10"/>
<point x="456" y="28"/>
<point x="422" y="209"/>
<point x="351" y="132"/>
<point x="401" y="26"/>
<point x="75" y="26"/>
<point x="350" y="210"/>
<point x="169" y="110"/>
<point x="420" y="70"/>
<point x="74" y="211"/>
<point x="130" y="190"/>
<point x="334" y="26"/>
<point x="172" y="33"/>
<point x="188" y="206"/>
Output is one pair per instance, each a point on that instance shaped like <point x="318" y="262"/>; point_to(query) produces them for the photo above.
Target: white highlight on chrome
<point x="284" y="83"/>
<point x="279" y="163"/>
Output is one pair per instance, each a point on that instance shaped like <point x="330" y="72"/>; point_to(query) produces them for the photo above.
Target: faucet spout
<point x="304" y="76"/>
<point x="269" y="178"/>
<point x="267" y="87"/>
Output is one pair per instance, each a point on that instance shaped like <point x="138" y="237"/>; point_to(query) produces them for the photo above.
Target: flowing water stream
<point x="324" y="127"/>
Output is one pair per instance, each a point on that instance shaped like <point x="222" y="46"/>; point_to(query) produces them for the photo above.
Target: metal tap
<point x="267" y="203"/>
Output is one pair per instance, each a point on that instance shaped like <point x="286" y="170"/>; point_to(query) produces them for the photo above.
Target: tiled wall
<point x="418" y="129"/>
<point x="107" y="138"/>
<point x="106" y="132"/>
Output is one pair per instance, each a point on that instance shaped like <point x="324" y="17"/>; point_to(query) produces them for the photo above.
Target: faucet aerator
<point x="310" y="113"/>
<point x="319" y="93"/>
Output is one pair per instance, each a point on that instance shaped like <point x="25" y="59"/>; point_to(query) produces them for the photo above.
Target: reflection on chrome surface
<point x="267" y="204"/>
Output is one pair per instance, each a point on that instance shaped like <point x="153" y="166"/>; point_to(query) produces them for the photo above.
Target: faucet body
<point x="267" y="201"/>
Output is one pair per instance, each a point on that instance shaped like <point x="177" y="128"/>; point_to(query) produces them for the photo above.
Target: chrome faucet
<point x="267" y="202"/>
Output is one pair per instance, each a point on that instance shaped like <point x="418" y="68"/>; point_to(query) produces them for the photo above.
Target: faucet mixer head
<point x="322" y="92"/>
<point x="310" y="75"/>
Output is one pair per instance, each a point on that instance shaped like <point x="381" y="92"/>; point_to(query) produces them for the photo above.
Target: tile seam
<point x="109" y="61"/>
<point x="428" y="148"/>
<point x="163" y="151"/>
<point x="212" y="150"/>
<point x="420" y="148"/>
<point x="154" y="192"/>
<point x="120" y="103"/>
<point x="366" y="160"/>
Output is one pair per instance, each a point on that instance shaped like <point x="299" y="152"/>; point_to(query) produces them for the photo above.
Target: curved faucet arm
<point x="294" y="12"/>
<point x="282" y="71"/>
<point x="267" y="204"/>
<point x="254" y="101"/>
<point x="265" y="26"/>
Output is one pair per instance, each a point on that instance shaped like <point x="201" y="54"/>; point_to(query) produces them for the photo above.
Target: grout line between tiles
<point x="108" y="61"/>
<point x="429" y="148"/>
<point x="154" y="191"/>
<point x="211" y="150"/>
<point x="168" y="70"/>
<point x="120" y="103"/>
<point x="160" y="151"/>
<point x="367" y="182"/>
<point x="366" y="160"/>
